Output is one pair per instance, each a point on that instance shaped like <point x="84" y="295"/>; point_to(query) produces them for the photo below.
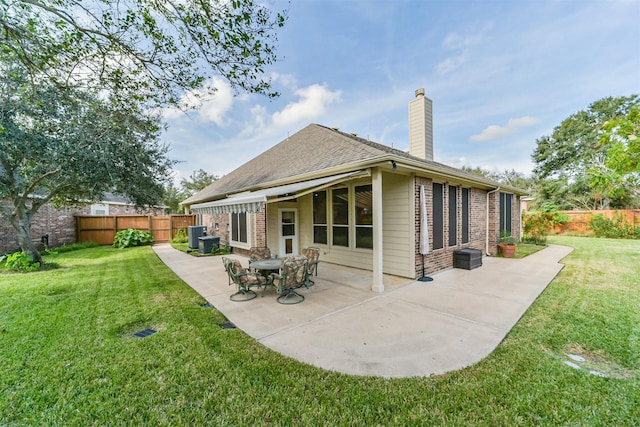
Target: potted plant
<point x="507" y="244"/>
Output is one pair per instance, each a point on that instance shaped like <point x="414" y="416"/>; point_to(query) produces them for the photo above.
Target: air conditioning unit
<point x="194" y="232"/>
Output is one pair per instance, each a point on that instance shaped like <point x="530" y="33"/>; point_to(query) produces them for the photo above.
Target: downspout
<point x="487" y="225"/>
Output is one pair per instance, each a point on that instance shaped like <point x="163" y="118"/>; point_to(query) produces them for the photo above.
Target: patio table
<point x="272" y="264"/>
<point x="264" y="266"/>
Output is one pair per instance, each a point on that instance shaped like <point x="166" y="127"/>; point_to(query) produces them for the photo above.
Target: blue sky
<point x="500" y="73"/>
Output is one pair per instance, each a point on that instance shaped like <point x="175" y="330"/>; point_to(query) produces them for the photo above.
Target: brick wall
<point x="441" y="259"/>
<point x="217" y="225"/>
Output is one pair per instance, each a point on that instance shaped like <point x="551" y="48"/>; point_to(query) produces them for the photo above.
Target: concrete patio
<point x="411" y="329"/>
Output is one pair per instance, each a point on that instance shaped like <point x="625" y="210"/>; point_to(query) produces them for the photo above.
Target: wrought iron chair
<point x="259" y="253"/>
<point x="292" y="275"/>
<point x="244" y="278"/>
<point x="313" y="255"/>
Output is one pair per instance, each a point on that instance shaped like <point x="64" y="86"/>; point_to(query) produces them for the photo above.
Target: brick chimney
<point x="421" y="126"/>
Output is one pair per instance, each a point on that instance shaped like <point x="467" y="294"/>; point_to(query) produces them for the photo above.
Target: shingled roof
<point x="311" y="150"/>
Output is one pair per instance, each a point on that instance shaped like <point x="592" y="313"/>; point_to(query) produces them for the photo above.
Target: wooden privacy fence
<point x="102" y="229"/>
<point x="579" y="220"/>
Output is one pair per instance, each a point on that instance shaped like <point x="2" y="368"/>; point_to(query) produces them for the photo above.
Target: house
<point x="359" y="201"/>
<point x="58" y="224"/>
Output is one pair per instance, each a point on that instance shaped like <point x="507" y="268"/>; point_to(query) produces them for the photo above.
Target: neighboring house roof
<point x="315" y="151"/>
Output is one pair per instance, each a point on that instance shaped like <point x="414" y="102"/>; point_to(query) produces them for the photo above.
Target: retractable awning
<point x="253" y="201"/>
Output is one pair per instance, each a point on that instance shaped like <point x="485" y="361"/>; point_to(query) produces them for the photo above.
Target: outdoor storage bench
<point x="467" y="258"/>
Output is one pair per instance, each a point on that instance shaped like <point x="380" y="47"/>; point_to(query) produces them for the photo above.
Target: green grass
<point x="67" y="356"/>
<point x="526" y="249"/>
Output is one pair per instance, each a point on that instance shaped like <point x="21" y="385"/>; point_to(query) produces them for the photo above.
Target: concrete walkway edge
<point x="411" y="329"/>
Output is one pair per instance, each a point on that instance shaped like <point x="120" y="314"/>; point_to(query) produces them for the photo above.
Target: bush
<point x="506" y="238"/>
<point x="181" y="236"/>
<point x="18" y="261"/>
<point x="132" y="237"/>
<point x="536" y="225"/>
<point x="221" y="250"/>
<point x="616" y="228"/>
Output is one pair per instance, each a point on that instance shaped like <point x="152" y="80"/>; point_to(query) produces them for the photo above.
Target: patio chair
<point x="244" y="278"/>
<point x="313" y="255"/>
<point x="259" y="253"/>
<point x="293" y="275"/>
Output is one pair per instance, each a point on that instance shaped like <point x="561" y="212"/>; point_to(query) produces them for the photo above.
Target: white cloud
<point x="287" y="80"/>
<point x="513" y="125"/>
<point x="210" y="107"/>
<point x="313" y="103"/>
<point x="455" y="41"/>
<point x="451" y="63"/>
<point x="258" y="123"/>
<point x="460" y="45"/>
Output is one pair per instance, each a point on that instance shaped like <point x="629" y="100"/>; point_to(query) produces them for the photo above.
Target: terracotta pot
<point x="507" y="251"/>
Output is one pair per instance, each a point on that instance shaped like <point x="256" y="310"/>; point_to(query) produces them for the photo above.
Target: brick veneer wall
<point x="442" y="259"/>
<point x="259" y="230"/>
<point x="217" y="225"/>
<point x="59" y="224"/>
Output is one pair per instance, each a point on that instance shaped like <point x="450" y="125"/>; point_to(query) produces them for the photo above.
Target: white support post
<point x="378" y="282"/>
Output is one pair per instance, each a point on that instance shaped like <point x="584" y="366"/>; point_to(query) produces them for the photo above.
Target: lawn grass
<point x="526" y="249"/>
<point x="67" y="356"/>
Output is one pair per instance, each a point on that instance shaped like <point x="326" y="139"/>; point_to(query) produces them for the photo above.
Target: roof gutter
<point x="444" y="172"/>
<point x="487" y="224"/>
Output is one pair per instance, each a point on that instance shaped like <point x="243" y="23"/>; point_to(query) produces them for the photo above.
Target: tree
<point x="173" y="196"/>
<point x="620" y="172"/>
<point x="69" y="146"/>
<point x="507" y="177"/>
<point x="197" y="181"/>
<point x="143" y="50"/>
<point x="574" y="148"/>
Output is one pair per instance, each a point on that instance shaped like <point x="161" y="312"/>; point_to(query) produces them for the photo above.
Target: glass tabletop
<point x="266" y="264"/>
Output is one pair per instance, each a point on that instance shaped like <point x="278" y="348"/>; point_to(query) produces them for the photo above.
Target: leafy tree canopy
<point x="173" y="195"/>
<point x="142" y="50"/>
<point x="197" y="181"/>
<point x="507" y="177"/>
<point x="575" y="148"/>
<point x="620" y="173"/>
<point x="70" y="146"/>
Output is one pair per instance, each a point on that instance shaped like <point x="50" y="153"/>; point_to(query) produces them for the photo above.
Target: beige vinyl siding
<point x="272" y="224"/>
<point x="398" y="220"/>
<point x="398" y="223"/>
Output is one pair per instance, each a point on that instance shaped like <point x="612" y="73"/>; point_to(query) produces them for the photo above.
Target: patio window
<point x="364" y="216"/>
<point x="466" y="193"/>
<point x="239" y="227"/>
<point x="506" y="201"/>
<point x="340" y="205"/>
<point x="320" y="217"/>
<point x="453" y="215"/>
<point x="438" y="216"/>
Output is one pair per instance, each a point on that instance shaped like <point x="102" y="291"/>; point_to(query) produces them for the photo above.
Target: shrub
<point x="19" y="261"/>
<point x="506" y="238"/>
<point x="616" y="228"/>
<point x="536" y="225"/>
<point x="132" y="237"/>
<point x="221" y="250"/>
<point x="181" y="236"/>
